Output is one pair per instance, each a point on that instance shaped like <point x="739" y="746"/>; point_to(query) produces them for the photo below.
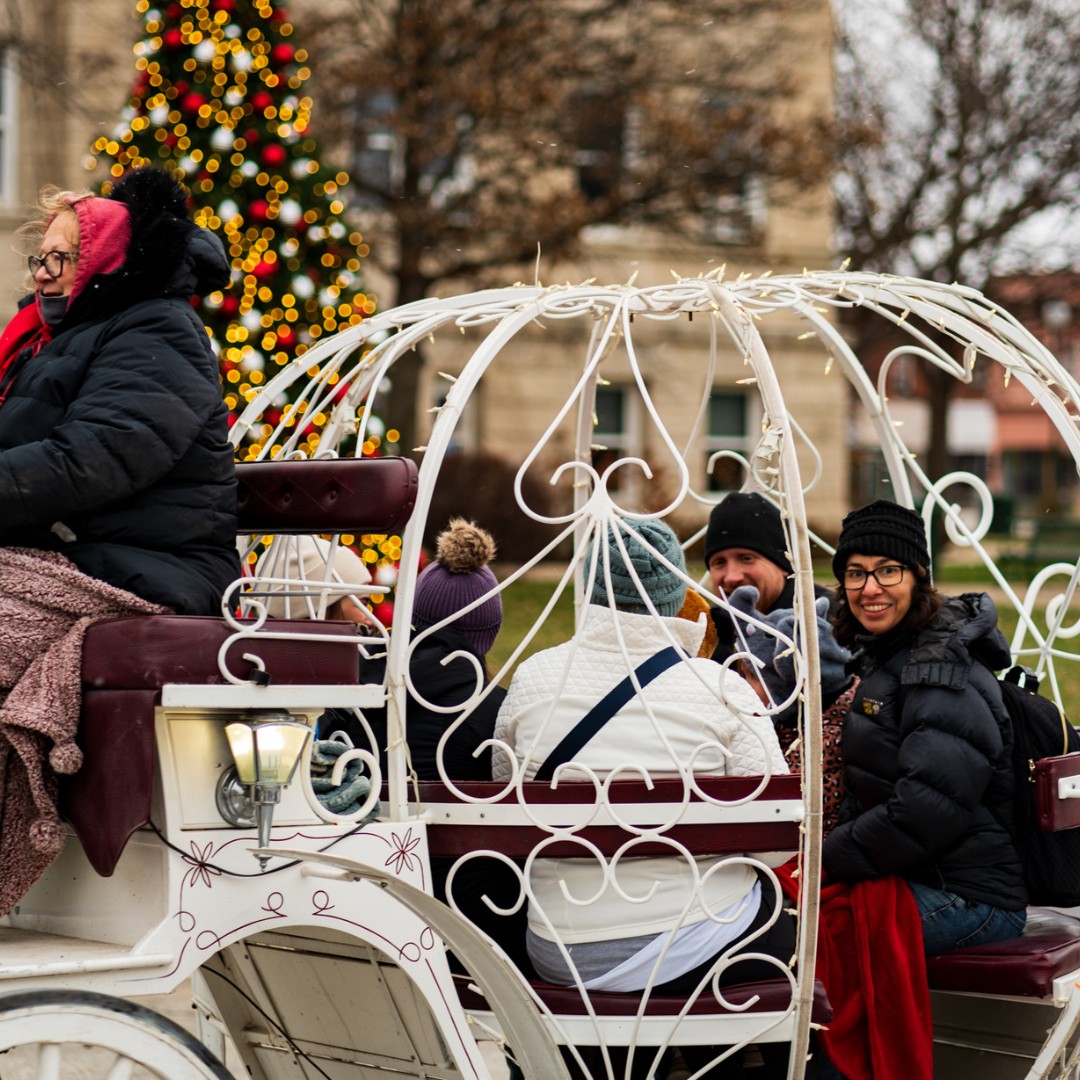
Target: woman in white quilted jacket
<point x="692" y="715"/>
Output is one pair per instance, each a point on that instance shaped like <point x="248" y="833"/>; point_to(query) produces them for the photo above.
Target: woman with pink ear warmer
<point x="113" y="431"/>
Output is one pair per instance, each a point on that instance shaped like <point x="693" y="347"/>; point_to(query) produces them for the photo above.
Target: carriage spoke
<point x="122" y="1069"/>
<point x="50" y="1060"/>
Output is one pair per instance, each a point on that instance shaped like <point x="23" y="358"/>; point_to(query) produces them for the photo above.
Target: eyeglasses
<point x="52" y="261"/>
<point x="885" y="576"/>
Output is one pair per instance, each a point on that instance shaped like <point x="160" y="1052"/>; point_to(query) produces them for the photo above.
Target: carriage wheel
<point x="61" y="1034"/>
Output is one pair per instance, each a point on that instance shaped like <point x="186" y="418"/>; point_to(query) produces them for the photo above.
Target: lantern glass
<point x="266" y="751"/>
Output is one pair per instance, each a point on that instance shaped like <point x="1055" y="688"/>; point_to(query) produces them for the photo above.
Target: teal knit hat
<point x="666" y="589"/>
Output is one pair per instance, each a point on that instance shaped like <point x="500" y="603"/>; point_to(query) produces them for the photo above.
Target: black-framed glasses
<point x="52" y="261"/>
<point x="885" y="576"/>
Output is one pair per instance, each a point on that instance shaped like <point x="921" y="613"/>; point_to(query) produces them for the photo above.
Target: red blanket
<point x="870" y="960"/>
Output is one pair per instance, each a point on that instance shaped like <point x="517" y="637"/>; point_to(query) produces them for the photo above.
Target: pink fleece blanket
<point x="46" y="605"/>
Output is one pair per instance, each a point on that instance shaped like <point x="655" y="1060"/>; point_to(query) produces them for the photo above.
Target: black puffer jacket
<point x="444" y="685"/>
<point x="926" y="749"/>
<point x="116" y="430"/>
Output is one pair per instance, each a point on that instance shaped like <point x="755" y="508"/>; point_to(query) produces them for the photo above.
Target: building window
<point x="733" y="207"/>
<point x="8" y="113"/>
<point x="735" y="212"/>
<point x="728" y="429"/>
<point x="617" y="433"/>
<point x="377" y="164"/>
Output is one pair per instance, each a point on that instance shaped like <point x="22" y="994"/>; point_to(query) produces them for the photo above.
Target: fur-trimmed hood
<point x="167" y="254"/>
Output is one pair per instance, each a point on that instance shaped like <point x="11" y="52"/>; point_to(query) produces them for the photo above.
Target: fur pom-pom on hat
<point x="464" y="547"/>
<point x="458" y="577"/>
<point x="66" y="758"/>
<point x="149" y="193"/>
<point x="164" y="239"/>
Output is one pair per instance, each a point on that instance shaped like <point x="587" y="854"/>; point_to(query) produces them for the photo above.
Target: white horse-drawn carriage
<point x="328" y="953"/>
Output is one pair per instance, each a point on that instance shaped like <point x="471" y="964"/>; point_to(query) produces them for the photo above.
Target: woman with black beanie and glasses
<point x="927" y="743"/>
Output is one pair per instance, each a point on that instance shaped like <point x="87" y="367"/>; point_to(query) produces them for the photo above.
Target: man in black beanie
<point x="745" y="545"/>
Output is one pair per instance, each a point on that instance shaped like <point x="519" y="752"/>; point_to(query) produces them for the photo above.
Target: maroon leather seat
<point x="774" y="995"/>
<point x="519" y="840"/>
<point x="143" y="652"/>
<point x="1024" y="966"/>
<point x="357" y="495"/>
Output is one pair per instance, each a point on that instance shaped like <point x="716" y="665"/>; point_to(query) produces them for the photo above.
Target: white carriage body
<point x="340" y="943"/>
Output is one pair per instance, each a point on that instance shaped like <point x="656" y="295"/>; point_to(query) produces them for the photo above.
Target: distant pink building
<point x="994" y="430"/>
<point x="1027" y="460"/>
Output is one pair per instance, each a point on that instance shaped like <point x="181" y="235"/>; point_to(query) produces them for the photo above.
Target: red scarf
<point x="870" y="960"/>
<point x="25" y="329"/>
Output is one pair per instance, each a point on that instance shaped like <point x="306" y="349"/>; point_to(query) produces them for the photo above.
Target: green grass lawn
<point x="522" y="603"/>
<point x="524" y="600"/>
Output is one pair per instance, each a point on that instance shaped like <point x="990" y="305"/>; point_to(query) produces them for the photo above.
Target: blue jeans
<point x="950" y="922"/>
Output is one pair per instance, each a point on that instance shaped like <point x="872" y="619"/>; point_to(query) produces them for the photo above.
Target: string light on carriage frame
<point x="266" y="748"/>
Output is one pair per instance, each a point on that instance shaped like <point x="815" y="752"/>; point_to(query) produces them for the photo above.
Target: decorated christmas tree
<point x="218" y="102"/>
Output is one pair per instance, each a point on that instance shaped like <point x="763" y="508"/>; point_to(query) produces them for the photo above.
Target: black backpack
<point x="1051" y="860"/>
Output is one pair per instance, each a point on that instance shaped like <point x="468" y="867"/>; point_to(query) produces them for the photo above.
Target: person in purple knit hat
<point x="444" y="622"/>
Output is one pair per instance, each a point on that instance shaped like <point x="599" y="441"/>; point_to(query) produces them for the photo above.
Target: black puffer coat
<point x="443" y="685"/>
<point x="926" y="749"/>
<point x="115" y="432"/>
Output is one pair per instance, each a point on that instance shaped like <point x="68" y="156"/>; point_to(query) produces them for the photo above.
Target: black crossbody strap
<point x="605" y="709"/>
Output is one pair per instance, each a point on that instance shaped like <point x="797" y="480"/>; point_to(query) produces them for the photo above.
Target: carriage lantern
<point x="266" y="749"/>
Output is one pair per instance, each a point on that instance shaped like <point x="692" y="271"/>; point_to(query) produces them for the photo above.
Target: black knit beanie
<point x="748" y="520"/>
<point x="883" y="529"/>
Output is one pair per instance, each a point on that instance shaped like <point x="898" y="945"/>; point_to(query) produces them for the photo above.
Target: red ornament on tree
<point x="282" y="54"/>
<point x="257" y="210"/>
<point x="172" y="40"/>
<point x="264" y="271"/>
<point x="192" y="103"/>
<point x="384" y="612"/>
<point x="223" y="5"/>
<point x="230" y="305"/>
<point x="286" y="337"/>
<point x="273" y="155"/>
<point x="261" y="101"/>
